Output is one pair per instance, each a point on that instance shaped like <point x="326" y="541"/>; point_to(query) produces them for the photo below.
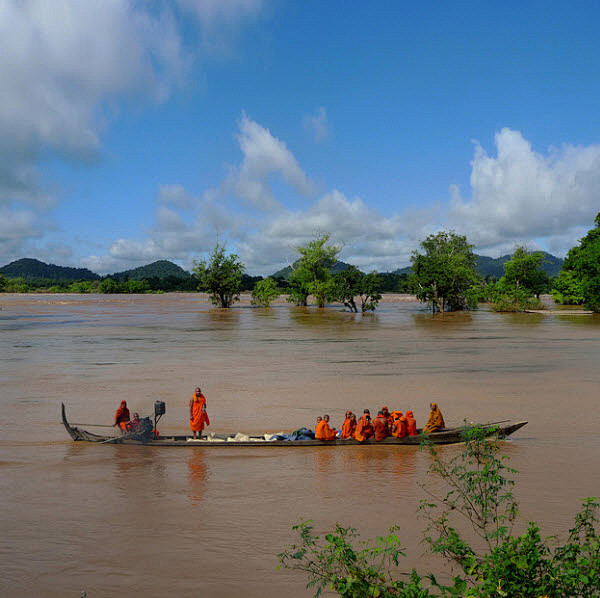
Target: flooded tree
<point x="220" y="276"/>
<point x="311" y="275"/>
<point x="444" y="273"/>
<point x="523" y="282"/>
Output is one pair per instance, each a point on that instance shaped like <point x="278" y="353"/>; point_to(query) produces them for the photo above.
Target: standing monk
<point x="411" y="424"/>
<point x="198" y="415"/>
<point x="435" y="421"/>
<point x="122" y="417"/>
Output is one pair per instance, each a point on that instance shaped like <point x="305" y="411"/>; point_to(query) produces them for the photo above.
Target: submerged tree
<point x="311" y="274"/>
<point x="444" y="274"/>
<point x="523" y="282"/>
<point x="264" y="292"/>
<point x="220" y="276"/>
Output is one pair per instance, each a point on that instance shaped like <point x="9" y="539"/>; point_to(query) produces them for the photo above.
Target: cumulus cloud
<point x="521" y="195"/>
<point x="66" y="67"/>
<point x="317" y="124"/>
<point x="547" y="201"/>
<point x="63" y="66"/>
<point x="264" y="156"/>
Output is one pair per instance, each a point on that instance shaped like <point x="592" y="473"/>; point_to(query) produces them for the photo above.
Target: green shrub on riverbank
<point x="498" y="564"/>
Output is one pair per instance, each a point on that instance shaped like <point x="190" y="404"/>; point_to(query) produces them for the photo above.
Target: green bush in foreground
<point x="499" y="564"/>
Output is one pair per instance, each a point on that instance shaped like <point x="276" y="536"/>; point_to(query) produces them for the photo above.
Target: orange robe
<point x="199" y="415"/>
<point x="411" y="424"/>
<point x="364" y="429"/>
<point x="324" y="432"/>
<point x="380" y="428"/>
<point x="348" y="428"/>
<point x="435" y="421"/>
<point x="122" y="416"/>
<point x="399" y="428"/>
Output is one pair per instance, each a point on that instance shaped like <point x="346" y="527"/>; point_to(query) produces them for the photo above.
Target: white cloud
<point x="521" y="195"/>
<point x="220" y="20"/>
<point x="518" y="196"/>
<point x="65" y="68"/>
<point x="264" y="156"/>
<point x="317" y="125"/>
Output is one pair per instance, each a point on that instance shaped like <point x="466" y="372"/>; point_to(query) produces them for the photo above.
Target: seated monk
<point x="380" y="427"/>
<point x="364" y="427"/>
<point x="399" y="425"/>
<point x="135" y="424"/>
<point x="323" y="431"/>
<point x="349" y="425"/>
<point x="435" y="421"/>
<point x="387" y="415"/>
<point x="122" y="417"/>
<point x="411" y="424"/>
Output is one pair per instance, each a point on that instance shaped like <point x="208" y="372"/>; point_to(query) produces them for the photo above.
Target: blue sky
<point x="135" y="131"/>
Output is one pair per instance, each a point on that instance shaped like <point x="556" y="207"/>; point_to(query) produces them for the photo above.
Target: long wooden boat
<point x="446" y="436"/>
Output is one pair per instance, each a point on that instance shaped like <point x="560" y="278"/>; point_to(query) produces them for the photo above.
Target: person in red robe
<point x="198" y="415"/>
<point x="411" y="424"/>
<point x="349" y="425"/>
<point x="380" y="427"/>
<point x="122" y="417"/>
<point x="399" y="425"/>
<point x="364" y="427"/>
<point x="323" y="431"/>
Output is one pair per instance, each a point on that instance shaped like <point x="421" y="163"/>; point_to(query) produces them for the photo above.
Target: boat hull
<point x="447" y="436"/>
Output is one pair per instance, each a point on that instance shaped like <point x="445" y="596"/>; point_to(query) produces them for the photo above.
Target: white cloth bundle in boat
<point x="239" y="437"/>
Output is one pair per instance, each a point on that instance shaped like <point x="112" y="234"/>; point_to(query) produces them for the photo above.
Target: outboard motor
<point x="159" y="410"/>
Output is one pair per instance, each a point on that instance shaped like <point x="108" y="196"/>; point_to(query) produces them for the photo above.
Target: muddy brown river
<point x="132" y="520"/>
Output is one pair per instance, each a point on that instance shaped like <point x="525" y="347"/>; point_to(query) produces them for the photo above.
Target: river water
<point x="126" y="520"/>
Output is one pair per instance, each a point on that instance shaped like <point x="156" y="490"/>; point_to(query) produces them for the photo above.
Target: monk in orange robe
<point x="399" y="425"/>
<point x="380" y="427"/>
<point x="122" y="417"/>
<point x="198" y="415"/>
<point x="411" y="424"/>
<point x="387" y="416"/>
<point x="349" y="425"/>
<point x="323" y="431"/>
<point x="135" y="424"/>
<point x="364" y="427"/>
<point x="435" y="421"/>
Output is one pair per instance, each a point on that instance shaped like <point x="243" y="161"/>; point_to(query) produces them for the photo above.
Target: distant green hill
<point x="32" y="269"/>
<point x="160" y="269"/>
<point x="285" y="272"/>
<point x="489" y="266"/>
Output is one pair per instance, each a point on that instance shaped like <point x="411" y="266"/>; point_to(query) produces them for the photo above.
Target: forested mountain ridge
<point x="158" y="269"/>
<point x="32" y="269"/>
<point x="489" y="266"/>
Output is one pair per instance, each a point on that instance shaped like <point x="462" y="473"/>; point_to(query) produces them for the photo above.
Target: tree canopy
<point x="220" y="276"/>
<point x="311" y="276"/>
<point x="579" y="279"/>
<point x="444" y="273"/>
